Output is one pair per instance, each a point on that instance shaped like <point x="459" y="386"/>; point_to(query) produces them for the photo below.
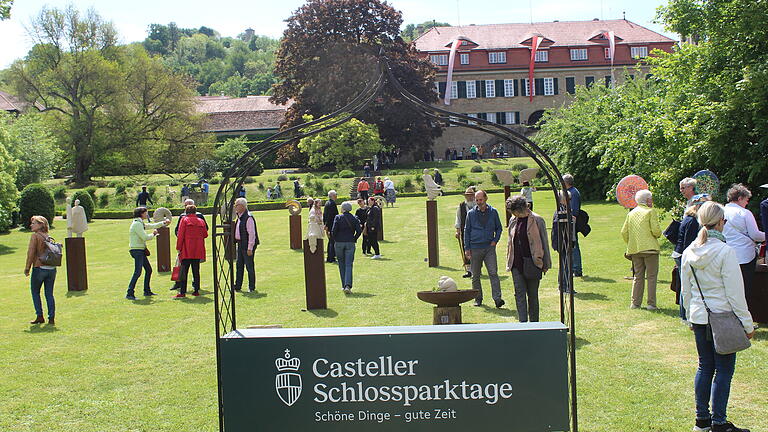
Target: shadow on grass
<point x="254" y="295"/>
<point x="580" y="342"/>
<point x="597" y="279"/>
<point x="591" y="296"/>
<point x="77" y="293"/>
<point x="324" y="313"/>
<point x="46" y="328"/>
<point x="6" y="250"/>
<point x="760" y="335"/>
<point x="500" y="312"/>
<point x="674" y="313"/>
<point x="197" y="300"/>
<point x="446" y="268"/>
<point x="354" y="294"/>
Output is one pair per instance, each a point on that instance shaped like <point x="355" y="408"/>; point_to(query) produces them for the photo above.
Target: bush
<point x="113" y="184"/>
<point x="257" y="169"/>
<point x="293" y="177"/>
<point x="461" y="176"/>
<point x="260" y="186"/>
<point x="215" y="180"/>
<point x="6" y="220"/>
<point x="248" y="180"/>
<point x="207" y="168"/>
<point x="465" y="183"/>
<point x="36" y="200"/>
<point x="120" y="188"/>
<point x="152" y="190"/>
<point x="476" y="169"/>
<point x="60" y="192"/>
<point x="495" y="179"/>
<point x="282" y="177"/>
<point x="519" y="167"/>
<point x="408" y="185"/>
<point x="325" y="176"/>
<point x="91" y="191"/>
<point x="86" y="202"/>
<point x="129" y="184"/>
<point x="103" y="199"/>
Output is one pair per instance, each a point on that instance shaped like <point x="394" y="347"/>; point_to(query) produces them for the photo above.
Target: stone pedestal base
<point x="294" y="222"/>
<point x="77" y="270"/>
<point x="446" y="315"/>
<point x="314" y="276"/>
<point x="163" y="249"/>
<point x="433" y="247"/>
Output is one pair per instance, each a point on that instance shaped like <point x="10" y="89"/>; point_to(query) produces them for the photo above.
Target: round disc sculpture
<point x="383" y="80"/>
<point x="707" y="183"/>
<point x="627" y="188"/>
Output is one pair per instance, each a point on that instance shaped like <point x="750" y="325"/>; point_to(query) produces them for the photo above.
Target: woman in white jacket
<point x="714" y="265"/>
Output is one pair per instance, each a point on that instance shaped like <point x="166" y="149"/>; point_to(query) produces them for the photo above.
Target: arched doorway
<point x="534" y="118"/>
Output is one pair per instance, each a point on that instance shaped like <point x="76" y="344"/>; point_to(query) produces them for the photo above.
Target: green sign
<point x="421" y="378"/>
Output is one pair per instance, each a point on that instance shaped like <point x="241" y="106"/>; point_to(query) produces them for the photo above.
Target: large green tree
<point x="32" y="143"/>
<point x="328" y="54"/>
<point x="5" y="9"/>
<point x="344" y="147"/>
<point x="8" y="192"/>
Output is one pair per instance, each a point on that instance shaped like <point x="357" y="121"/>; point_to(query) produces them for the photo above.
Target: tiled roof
<point x="250" y="113"/>
<point x="11" y="103"/>
<point x="564" y="33"/>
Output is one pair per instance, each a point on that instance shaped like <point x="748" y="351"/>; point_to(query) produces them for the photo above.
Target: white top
<point x="389" y="184"/>
<point x="717" y="271"/>
<point x="527" y="192"/>
<point x="741" y="232"/>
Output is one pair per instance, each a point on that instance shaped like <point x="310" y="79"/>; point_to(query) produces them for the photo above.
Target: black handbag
<point x="672" y="231"/>
<point x="727" y="331"/>
<point x="530" y="271"/>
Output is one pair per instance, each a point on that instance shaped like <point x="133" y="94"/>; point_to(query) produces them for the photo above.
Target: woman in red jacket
<point x="190" y="242"/>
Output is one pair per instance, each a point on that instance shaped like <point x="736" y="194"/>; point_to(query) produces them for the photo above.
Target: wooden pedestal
<point x="294" y="222"/>
<point x="163" y="249"/>
<point x="433" y="248"/>
<point x="314" y="276"/>
<point x="757" y="300"/>
<point x="507" y="193"/>
<point x="77" y="270"/>
<point x="446" y="315"/>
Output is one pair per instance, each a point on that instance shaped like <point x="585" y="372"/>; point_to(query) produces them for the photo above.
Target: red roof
<point x="12" y="103"/>
<point x="563" y="33"/>
<point x="252" y="113"/>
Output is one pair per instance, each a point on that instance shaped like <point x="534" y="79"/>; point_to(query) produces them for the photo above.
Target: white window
<point x="471" y="90"/>
<point x="607" y="53"/>
<point x="490" y="88"/>
<point x="509" y="88"/>
<point x="491" y="117"/>
<point x="639" y="52"/>
<point x="579" y="54"/>
<point x="473" y="115"/>
<point x="549" y="86"/>
<point x="439" y="59"/>
<point x="542" y="56"/>
<point x="497" y="57"/>
<point x="509" y="118"/>
<point x="526" y="89"/>
<point x="454" y="90"/>
<point x="464" y="58"/>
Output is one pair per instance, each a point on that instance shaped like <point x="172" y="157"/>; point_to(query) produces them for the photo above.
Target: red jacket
<point x="378" y="187"/>
<point x="190" y="241"/>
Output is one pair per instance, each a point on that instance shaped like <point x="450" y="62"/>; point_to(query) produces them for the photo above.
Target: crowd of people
<point x="474" y="152"/>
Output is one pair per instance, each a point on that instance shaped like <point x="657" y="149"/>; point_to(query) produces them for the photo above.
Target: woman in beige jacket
<point x="42" y="275"/>
<point x="528" y="256"/>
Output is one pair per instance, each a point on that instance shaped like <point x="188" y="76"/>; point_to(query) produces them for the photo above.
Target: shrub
<point x="260" y="186"/>
<point x="6" y="220"/>
<point x="346" y="174"/>
<point x="152" y="190"/>
<point x="206" y="168"/>
<point x="465" y="183"/>
<point x="215" y="180"/>
<point x="86" y="201"/>
<point x="495" y="179"/>
<point x="325" y="176"/>
<point x="408" y="185"/>
<point x="476" y="169"/>
<point x="120" y="188"/>
<point x="113" y="183"/>
<point x="60" y="192"/>
<point x="419" y="178"/>
<point x="309" y="177"/>
<point x="257" y="169"/>
<point x="248" y="180"/>
<point x="36" y="200"/>
<point x="91" y="191"/>
<point x="519" y="167"/>
<point x="103" y="199"/>
<point x="129" y="184"/>
<point x="461" y="176"/>
<point x="293" y="177"/>
<point x="282" y="177"/>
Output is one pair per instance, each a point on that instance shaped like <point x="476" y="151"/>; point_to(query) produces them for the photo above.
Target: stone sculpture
<point x="447" y="284"/>
<point x="433" y="189"/>
<point x="505" y="176"/>
<point x="294" y="207"/>
<point x="161" y="214"/>
<point x="315" y="229"/>
<point x="77" y="222"/>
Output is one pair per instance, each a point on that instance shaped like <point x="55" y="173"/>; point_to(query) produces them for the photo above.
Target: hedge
<point x="36" y="200"/>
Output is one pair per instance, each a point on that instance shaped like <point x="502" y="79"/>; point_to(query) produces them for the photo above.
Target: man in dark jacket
<point x="143" y="197"/>
<point x="481" y="234"/>
<point x="247" y="238"/>
<point x="329" y="213"/>
<point x="373" y="225"/>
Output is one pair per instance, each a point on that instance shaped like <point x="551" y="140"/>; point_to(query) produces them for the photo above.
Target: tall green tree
<point x="8" y="192"/>
<point x="32" y="143"/>
<point x="328" y="54"/>
<point x="344" y="147"/>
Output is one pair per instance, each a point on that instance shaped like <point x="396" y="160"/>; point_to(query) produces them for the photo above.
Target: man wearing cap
<point x="461" y="220"/>
<point x="482" y="232"/>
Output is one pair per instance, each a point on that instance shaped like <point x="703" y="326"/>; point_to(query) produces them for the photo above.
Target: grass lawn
<point x="114" y="365"/>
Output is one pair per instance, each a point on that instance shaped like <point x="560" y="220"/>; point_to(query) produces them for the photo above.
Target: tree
<point x="230" y="151"/>
<point x="8" y="192"/>
<point x="343" y="147"/>
<point x="413" y="31"/>
<point x="327" y="55"/>
<point x="32" y="144"/>
<point x="5" y="9"/>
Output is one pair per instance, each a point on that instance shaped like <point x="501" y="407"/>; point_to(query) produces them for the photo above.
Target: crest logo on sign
<point x="288" y="381"/>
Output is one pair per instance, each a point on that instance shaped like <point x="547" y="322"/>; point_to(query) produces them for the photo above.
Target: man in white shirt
<point x="741" y="232"/>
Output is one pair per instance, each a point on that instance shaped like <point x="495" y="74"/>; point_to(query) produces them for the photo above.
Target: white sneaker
<point x="633" y="306"/>
<point x="346" y="290"/>
<point x="376" y="257"/>
<point x="651" y="308"/>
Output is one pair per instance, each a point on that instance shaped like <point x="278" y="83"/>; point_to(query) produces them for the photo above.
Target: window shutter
<point x="607" y="80"/>
<point x="480" y="86"/>
<point x="589" y="80"/>
<point x="517" y="89"/>
<point x="570" y="85"/>
<point x="500" y="118"/>
<point x="462" y="89"/>
<point x="556" y="85"/>
<point x="517" y="117"/>
<point x="539" y="86"/>
<point x="482" y="115"/>
<point x="500" y="88"/>
<point x="441" y="86"/>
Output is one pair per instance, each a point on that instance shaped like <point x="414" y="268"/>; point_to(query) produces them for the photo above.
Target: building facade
<point x="491" y="68"/>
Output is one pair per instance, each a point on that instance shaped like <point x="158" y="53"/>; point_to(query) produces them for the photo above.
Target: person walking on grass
<point x="710" y="278"/>
<point x="190" y="243"/>
<point x="329" y="214"/>
<point x="247" y="239"/>
<point x="373" y="226"/>
<point x="42" y="275"/>
<point x="641" y="232"/>
<point x="345" y="230"/>
<point x="527" y="191"/>
<point x="363" y="187"/>
<point x="528" y="256"/>
<point x="574" y="201"/>
<point x="461" y="221"/>
<point x="143" y="198"/>
<point x="481" y="234"/>
<point x="137" y="245"/>
<point x="189" y="202"/>
<point x="362" y="215"/>
<point x="389" y="192"/>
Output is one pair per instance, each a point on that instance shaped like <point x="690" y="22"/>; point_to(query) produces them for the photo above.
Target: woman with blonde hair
<point x="641" y="232"/>
<point x="42" y="275"/>
<point x="710" y="278"/>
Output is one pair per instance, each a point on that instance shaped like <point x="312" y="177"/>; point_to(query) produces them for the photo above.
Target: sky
<point x="267" y="17"/>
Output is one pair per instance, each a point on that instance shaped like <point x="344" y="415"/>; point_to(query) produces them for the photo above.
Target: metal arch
<point x="234" y="177"/>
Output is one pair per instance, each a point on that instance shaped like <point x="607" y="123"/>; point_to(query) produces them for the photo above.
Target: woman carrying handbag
<point x="713" y="296"/>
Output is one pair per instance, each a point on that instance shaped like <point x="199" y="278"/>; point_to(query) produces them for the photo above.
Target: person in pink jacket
<point x="190" y="242"/>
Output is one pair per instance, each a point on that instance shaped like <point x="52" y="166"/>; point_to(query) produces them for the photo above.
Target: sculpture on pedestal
<point x="315" y="228"/>
<point x="77" y="222"/>
<point x="161" y="214"/>
<point x="446" y="284"/>
<point x="433" y="189"/>
<point x="505" y="176"/>
<point x="294" y="207"/>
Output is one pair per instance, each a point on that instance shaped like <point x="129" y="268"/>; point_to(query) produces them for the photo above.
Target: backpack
<point x="52" y="254"/>
<point x="582" y="223"/>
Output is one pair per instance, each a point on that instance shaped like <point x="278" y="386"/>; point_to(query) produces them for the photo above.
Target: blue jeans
<point x="576" y="256"/>
<point x="345" y="255"/>
<point x="712" y="365"/>
<point x="39" y="278"/>
<point x="140" y="261"/>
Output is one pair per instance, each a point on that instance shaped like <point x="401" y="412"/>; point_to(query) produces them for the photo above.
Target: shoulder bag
<point x="52" y="253"/>
<point x="727" y="331"/>
<point x="672" y="231"/>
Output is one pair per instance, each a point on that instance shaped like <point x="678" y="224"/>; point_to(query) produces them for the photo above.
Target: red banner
<point x="534" y="46"/>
